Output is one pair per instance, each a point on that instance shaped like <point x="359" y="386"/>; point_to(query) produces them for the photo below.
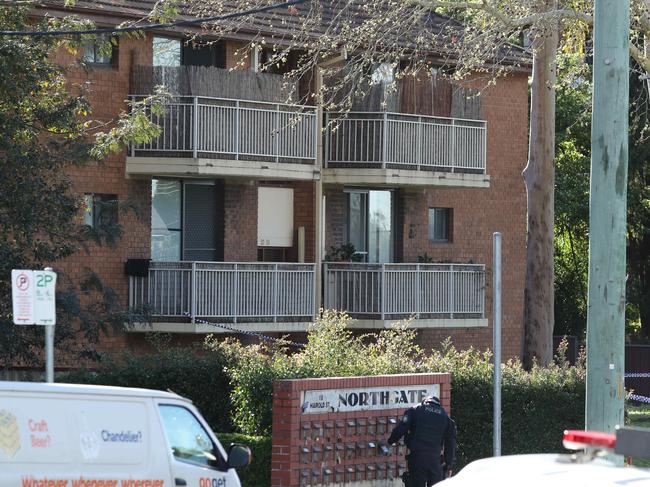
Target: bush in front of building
<point x="537" y="404"/>
<point x="258" y="473"/>
<point x="197" y="376"/>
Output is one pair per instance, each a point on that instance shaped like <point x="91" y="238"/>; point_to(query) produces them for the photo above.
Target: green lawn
<point x="640" y="416"/>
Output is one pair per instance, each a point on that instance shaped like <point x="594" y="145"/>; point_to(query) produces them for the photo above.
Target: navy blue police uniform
<point x="429" y="433"/>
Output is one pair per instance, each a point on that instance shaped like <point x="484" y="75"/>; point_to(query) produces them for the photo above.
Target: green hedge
<point x="199" y="377"/>
<point x="258" y="473"/>
<point x="537" y="405"/>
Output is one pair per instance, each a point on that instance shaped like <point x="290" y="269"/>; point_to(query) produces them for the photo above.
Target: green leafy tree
<point x="573" y="155"/>
<point x="44" y="131"/>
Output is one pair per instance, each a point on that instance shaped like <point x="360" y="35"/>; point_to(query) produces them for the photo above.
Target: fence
<point x="389" y="291"/>
<point x="258" y="291"/>
<point x="381" y="139"/>
<point x="195" y="126"/>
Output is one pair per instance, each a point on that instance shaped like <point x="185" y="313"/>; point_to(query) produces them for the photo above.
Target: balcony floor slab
<point x="402" y="177"/>
<point x="426" y="323"/>
<point x="302" y="326"/>
<point x="219" y="168"/>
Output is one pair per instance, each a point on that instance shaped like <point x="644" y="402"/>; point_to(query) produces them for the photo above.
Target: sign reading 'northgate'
<point x="366" y="399"/>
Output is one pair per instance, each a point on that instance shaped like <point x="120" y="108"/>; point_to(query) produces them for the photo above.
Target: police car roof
<point x="58" y="388"/>
<point x="546" y="471"/>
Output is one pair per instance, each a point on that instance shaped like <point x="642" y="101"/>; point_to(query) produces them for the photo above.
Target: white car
<point x="585" y="469"/>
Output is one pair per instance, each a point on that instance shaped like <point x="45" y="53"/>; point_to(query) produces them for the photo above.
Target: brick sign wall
<point x="329" y="431"/>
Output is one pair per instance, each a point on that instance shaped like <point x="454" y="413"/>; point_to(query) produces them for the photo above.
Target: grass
<point x="639" y="415"/>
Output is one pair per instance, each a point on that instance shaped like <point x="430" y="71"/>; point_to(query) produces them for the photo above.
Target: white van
<point x="66" y="435"/>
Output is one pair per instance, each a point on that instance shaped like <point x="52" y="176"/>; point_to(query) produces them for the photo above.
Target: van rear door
<point x="197" y="459"/>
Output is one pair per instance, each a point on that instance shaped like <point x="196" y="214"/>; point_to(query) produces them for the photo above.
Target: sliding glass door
<point x="370" y="224"/>
<point x="185" y="220"/>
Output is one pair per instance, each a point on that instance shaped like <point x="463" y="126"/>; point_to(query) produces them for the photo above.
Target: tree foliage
<point x="45" y="131"/>
<point x="572" y="201"/>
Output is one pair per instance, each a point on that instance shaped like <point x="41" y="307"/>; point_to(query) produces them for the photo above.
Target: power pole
<point x="607" y="217"/>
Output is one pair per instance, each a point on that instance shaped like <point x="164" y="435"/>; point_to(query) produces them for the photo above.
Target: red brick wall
<point x="477" y="213"/>
<point x="335" y="217"/>
<point x="107" y="89"/>
<point x="293" y="431"/>
<point x="240" y="222"/>
<point x="303" y="216"/>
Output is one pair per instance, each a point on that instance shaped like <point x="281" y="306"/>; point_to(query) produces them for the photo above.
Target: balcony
<point x="396" y="149"/>
<point x="264" y="296"/>
<point x="221" y="137"/>
<point x="258" y="296"/>
<point x="435" y="294"/>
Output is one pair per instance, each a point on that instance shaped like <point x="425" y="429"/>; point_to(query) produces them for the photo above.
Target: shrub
<point x="537" y="405"/>
<point x="199" y="377"/>
<point x="258" y="472"/>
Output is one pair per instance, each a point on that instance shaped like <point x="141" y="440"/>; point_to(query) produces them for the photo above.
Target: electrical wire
<point x="135" y="28"/>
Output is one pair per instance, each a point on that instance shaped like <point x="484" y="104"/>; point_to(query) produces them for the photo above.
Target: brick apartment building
<point x="229" y="197"/>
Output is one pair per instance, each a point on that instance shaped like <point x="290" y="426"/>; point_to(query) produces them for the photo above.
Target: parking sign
<point x="33" y="296"/>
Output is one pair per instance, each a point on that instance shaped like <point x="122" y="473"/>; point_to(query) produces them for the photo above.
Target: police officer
<point x="429" y="432"/>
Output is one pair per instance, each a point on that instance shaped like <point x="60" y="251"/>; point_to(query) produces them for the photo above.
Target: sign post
<point x="496" y="309"/>
<point x="34" y="303"/>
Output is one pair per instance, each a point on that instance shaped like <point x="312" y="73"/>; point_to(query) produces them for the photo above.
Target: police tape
<point x="261" y="336"/>
<point x="638" y="398"/>
<point x="637" y="375"/>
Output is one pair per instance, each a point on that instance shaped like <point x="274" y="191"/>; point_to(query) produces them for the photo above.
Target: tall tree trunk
<point x="539" y="177"/>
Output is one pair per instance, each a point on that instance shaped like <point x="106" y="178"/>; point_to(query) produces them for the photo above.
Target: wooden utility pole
<point x="607" y="217"/>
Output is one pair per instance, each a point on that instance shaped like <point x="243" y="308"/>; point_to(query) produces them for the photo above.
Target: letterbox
<point x="328" y="431"/>
<point x="361" y="426"/>
<point x="305" y="454"/>
<point x="372" y="426"/>
<point x="316" y="431"/>
<point x="381" y="426"/>
<point x="361" y="449"/>
<point x="381" y="471"/>
<point x="391" y="471"/>
<point x="361" y="473"/>
<point x="328" y="451"/>
<point x="350" y="449"/>
<point x="305" y="430"/>
<point x="340" y="452"/>
<point x="339" y="425"/>
<point x="315" y="476"/>
<point x="304" y="478"/>
<point x="351" y="427"/>
<point x="370" y="471"/>
<point x="327" y="475"/>
<point x="372" y="449"/>
<point x="316" y="454"/>
<point x="338" y="475"/>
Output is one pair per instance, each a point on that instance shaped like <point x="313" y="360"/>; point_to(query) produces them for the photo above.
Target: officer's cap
<point x="432" y="399"/>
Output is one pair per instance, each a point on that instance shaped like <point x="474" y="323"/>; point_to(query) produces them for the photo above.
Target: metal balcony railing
<point x="393" y="291"/>
<point x="397" y="140"/>
<point x="194" y="126"/>
<point x="251" y="291"/>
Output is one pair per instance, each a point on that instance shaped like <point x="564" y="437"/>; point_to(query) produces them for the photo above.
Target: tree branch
<point x="522" y="22"/>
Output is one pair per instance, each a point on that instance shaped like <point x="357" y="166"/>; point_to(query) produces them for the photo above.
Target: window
<point x="186" y="220"/>
<point x="166" y="52"/>
<point x="100" y="210"/>
<point x="166" y="220"/>
<point x="370" y="224"/>
<point x="440" y="224"/>
<point x="188" y="440"/>
<point x="98" y="50"/>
